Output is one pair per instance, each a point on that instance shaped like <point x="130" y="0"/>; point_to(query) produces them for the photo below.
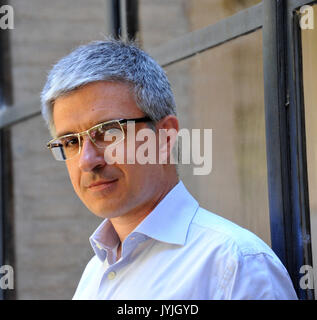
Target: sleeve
<point x="258" y="277"/>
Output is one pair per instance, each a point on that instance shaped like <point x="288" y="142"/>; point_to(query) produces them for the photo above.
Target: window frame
<point x="300" y="218"/>
<point x="284" y="118"/>
<point x="6" y="186"/>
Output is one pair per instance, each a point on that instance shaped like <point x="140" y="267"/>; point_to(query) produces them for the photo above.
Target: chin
<point x="104" y="213"/>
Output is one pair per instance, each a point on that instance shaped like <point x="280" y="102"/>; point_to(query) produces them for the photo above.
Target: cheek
<point x="74" y="175"/>
<point x="140" y="178"/>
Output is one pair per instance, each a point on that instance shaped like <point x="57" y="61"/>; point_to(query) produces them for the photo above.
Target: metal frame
<point x="301" y="246"/>
<point x="289" y="218"/>
<point x="241" y="23"/>
<point x="292" y="5"/>
<point x="2" y="201"/>
<point x="286" y="154"/>
<point x="6" y="201"/>
<point x="15" y="114"/>
<point x="6" y="208"/>
<point x="287" y="172"/>
<point x="284" y="106"/>
<point x="277" y="145"/>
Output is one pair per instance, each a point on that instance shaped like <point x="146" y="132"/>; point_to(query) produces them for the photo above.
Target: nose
<point x="90" y="156"/>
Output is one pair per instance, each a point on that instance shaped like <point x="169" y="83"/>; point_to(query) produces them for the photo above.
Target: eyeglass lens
<point x="102" y="136"/>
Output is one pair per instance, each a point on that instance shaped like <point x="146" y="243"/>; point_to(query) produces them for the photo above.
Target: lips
<point x="101" y="184"/>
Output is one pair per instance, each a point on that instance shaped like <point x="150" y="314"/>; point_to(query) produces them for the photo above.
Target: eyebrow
<point x="65" y="133"/>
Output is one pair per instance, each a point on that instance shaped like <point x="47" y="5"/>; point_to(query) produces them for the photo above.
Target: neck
<point x="126" y="223"/>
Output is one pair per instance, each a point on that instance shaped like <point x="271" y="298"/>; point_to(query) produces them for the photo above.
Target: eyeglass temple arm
<point x="52" y="145"/>
<point x="144" y="119"/>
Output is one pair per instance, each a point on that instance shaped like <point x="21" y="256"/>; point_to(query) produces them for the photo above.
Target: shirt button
<point x="111" y="275"/>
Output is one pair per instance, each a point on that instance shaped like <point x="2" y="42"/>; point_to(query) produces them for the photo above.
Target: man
<point x="155" y="242"/>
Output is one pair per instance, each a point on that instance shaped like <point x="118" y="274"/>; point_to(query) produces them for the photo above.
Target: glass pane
<point x="309" y="54"/>
<point x="163" y="20"/>
<point x="222" y="89"/>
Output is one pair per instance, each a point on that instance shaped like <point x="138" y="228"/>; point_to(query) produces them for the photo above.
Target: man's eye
<point x="70" y="142"/>
<point x="106" y="130"/>
<point x="112" y="131"/>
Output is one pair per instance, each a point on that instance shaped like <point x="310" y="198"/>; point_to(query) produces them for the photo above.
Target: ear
<point x="167" y="129"/>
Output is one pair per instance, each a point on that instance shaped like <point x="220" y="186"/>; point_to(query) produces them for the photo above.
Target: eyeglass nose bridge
<point x="80" y="139"/>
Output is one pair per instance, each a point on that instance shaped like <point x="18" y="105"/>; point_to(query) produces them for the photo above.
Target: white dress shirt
<point x="182" y="251"/>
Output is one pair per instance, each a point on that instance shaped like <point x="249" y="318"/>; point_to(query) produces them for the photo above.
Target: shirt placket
<point x="112" y="272"/>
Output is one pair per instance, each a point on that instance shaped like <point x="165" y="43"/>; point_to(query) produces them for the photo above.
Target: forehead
<point x="92" y="104"/>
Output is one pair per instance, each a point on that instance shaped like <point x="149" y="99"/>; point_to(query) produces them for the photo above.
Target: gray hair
<point x="110" y="60"/>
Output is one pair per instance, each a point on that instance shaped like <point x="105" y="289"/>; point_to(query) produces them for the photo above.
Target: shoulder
<point x="248" y="267"/>
<point x="222" y="232"/>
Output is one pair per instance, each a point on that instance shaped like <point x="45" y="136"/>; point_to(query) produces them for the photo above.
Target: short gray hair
<point x="110" y="60"/>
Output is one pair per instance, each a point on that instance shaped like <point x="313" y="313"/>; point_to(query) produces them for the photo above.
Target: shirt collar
<point x="170" y="219"/>
<point x="104" y="239"/>
<point x="168" y="222"/>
